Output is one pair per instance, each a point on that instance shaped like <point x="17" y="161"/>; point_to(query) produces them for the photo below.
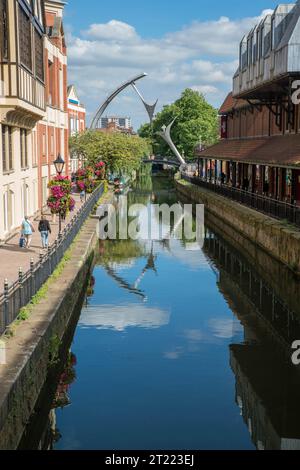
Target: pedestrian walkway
<point x="12" y="257"/>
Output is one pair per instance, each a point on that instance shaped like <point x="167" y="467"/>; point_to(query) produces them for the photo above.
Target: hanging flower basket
<point x="60" y="200"/>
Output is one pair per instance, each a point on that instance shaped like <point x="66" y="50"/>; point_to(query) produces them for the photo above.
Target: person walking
<point x="44" y="229"/>
<point x="27" y="230"/>
<point x="82" y="196"/>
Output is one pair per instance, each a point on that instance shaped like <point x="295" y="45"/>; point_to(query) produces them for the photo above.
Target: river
<point x="175" y="348"/>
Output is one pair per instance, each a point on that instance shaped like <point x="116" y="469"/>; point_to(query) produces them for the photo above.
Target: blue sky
<point x="178" y="43"/>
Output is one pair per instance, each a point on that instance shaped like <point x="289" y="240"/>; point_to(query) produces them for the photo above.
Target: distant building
<point x="77" y="112"/>
<point x="77" y="121"/>
<point x="120" y="122"/>
<point x="113" y="127"/>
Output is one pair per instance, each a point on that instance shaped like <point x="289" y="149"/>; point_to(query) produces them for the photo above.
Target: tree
<point x="196" y="120"/>
<point x="120" y="152"/>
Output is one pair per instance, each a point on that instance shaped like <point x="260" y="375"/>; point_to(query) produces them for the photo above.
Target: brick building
<point x="22" y="105"/>
<point x="52" y="134"/>
<point x="259" y="150"/>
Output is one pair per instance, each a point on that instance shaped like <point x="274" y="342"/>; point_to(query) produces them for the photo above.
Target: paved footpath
<point x="12" y="257"/>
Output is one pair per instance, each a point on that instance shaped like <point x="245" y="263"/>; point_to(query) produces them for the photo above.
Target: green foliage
<point x="120" y="152"/>
<point x="24" y="314"/>
<point x="54" y="346"/>
<point x="195" y="120"/>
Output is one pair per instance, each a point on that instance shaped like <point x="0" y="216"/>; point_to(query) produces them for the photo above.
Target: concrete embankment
<point x="36" y="341"/>
<point x="278" y="238"/>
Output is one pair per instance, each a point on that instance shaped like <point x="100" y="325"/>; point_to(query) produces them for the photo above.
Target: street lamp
<point x="59" y="164"/>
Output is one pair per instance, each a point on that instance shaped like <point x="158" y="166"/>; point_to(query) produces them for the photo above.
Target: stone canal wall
<point x="36" y="342"/>
<point x="278" y="238"/>
<point x="278" y="276"/>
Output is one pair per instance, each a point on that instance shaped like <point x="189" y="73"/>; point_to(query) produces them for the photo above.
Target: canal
<point x="175" y="348"/>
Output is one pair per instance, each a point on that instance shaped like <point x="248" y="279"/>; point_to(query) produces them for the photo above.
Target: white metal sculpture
<point x="165" y="134"/>
<point x="149" y="108"/>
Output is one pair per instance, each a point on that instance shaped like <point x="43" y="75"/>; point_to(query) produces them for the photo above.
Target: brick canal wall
<point x="278" y="238"/>
<point x="29" y="351"/>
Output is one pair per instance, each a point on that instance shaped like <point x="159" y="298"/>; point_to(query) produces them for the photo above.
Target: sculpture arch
<point x="149" y="108"/>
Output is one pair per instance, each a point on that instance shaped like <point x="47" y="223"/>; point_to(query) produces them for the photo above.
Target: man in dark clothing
<point x="44" y="229"/>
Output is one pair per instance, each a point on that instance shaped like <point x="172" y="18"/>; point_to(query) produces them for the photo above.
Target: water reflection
<point x="120" y="317"/>
<point x="267" y="385"/>
<point x="181" y="348"/>
<point x="42" y="433"/>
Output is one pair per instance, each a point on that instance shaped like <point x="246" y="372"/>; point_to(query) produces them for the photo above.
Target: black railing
<point x="259" y="202"/>
<point x="20" y="293"/>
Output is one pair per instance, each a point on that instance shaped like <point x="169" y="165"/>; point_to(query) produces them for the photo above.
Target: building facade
<point x="22" y="105"/>
<point x="77" y="121"/>
<point x="259" y="150"/>
<point x="76" y="111"/>
<point x="52" y="134"/>
<point x="118" y="121"/>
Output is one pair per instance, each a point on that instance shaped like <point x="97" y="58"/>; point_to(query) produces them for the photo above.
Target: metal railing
<point x="20" y="293"/>
<point x="259" y="202"/>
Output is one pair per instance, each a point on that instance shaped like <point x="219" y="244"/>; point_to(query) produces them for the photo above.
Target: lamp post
<point x="59" y="164"/>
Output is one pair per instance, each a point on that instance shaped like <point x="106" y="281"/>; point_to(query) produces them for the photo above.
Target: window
<point x="44" y="144"/>
<point x="273" y="34"/>
<point x="5" y="212"/>
<point x="23" y="148"/>
<point x="52" y="144"/>
<point x="243" y="55"/>
<point x="250" y="50"/>
<point x="4" y="150"/>
<point x="25" y="39"/>
<point x="34" y="149"/>
<point x="8" y="209"/>
<point x="7" y="155"/>
<point x="267" y="43"/>
<point x="39" y="55"/>
<point x="257" y="44"/>
<point x="37" y="11"/>
<point x="3" y="30"/>
<point x="261" y="43"/>
<point x="52" y="81"/>
<point x="44" y="190"/>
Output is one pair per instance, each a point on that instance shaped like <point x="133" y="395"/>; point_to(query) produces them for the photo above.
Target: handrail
<point x="19" y="293"/>
<point x="264" y="204"/>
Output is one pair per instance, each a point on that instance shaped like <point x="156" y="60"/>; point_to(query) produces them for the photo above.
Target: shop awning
<point x="278" y="150"/>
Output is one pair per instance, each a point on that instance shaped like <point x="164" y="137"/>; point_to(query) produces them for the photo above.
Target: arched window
<point x="5" y="211"/>
<point x="8" y="210"/>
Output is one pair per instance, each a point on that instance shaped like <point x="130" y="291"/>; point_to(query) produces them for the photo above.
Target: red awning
<point x="278" y="150"/>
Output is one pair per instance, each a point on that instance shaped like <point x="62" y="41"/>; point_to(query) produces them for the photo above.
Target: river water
<point x="176" y="348"/>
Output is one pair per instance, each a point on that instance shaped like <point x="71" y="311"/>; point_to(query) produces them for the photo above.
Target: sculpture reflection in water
<point x="114" y="255"/>
<point x="267" y="384"/>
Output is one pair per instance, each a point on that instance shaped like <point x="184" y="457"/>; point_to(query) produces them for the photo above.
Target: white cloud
<point x="113" y="30"/>
<point x="121" y="317"/>
<point x="202" y="56"/>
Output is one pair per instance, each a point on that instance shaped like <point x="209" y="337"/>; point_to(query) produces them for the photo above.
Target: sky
<point x="178" y="43"/>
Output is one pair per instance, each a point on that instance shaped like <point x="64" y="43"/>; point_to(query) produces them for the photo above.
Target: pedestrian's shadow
<point x="15" y="248"/>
